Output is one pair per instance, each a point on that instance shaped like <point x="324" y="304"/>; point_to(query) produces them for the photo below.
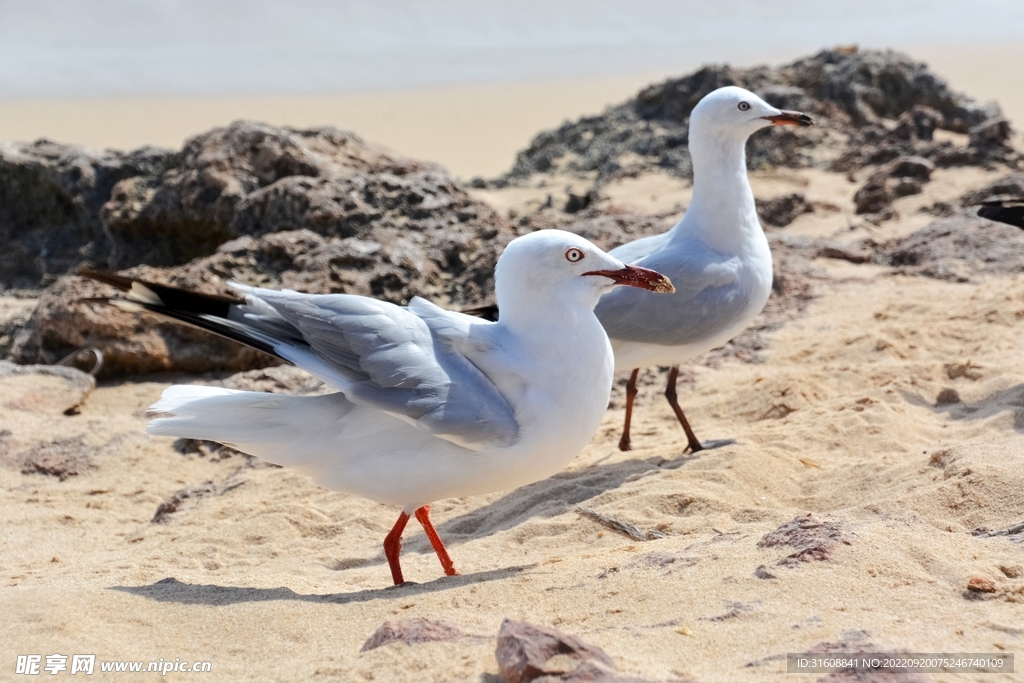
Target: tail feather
<point x="210" y="312"/>
<point x="262" y="424"/>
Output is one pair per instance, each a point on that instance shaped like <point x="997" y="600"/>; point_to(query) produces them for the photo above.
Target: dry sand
<point x="271" y="578"/>
<point x="276" y="579"/>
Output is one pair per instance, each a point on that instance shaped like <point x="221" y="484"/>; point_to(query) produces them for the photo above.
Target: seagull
<point x="717" y="256"/>
<point x="431" y="403"/>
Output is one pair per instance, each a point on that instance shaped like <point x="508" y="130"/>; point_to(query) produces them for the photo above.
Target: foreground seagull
<point x="431" y="404"/>
<point x="717" y="256"/>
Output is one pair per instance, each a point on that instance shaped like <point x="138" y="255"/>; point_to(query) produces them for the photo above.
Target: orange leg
<point x="423" y="516"/>
<point x="393" y="546"/>
<point x="630" y="395"/>
<point x="670" y="394"/>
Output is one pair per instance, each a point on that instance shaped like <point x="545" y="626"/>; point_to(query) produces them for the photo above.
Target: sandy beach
<point x="890" y="409"/>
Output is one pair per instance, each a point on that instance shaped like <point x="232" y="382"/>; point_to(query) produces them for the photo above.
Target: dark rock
<point x="814" y="538"/>
<point x="939" y="209"/>
<point x="524" y="650"/>
<point x="50" y="200"/>
<point x="393" y="257"/>
<point x="1008" y="188"/>
<point x="781" y="211"/>
<point x="846" y="92"/>
<point x="844" y="253"/>
<point x="919" y="123"/>
<point x="947" y="396"/>
<point x="61" y="206"/>
<point x="131" y="343"/>
<point x="874" y="196"/>
<point x="952" y="248"/>
<point x="577" y="203"/>
<point x="411" y="632"/>
<point x="994" y="132"/>
<point x="904" y="187"/>
<point x="911" y="167"/>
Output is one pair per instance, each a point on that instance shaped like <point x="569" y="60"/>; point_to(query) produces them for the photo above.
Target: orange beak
<point x="790" y="118"/>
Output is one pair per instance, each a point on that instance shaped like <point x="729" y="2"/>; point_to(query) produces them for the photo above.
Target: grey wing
<point x="391" y="358"/>
<point x="708" y="299"/>
<point x="631" y="252"/>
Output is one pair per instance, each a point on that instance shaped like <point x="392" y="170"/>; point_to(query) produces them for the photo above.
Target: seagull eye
<point x="573" y="255"/>
<point x="743" y="106"/>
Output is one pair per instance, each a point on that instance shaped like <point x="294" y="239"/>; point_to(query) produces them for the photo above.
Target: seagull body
<point x="717" y="256"/>
<point x="431" y="403"/>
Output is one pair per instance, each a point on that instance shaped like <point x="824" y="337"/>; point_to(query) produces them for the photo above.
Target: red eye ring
<point x="573" y="255"/>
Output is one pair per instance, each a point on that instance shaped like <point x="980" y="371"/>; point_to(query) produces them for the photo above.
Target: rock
<point x="954" y="248"/>
<point x="43" y="388"/>
<point x="1008" y="187"/>
<point x="979" y="584"/>
<point x="911" y="167"/>
<point x="919" y="123"/>
<point x="814" y="538"/>
<point x="906" y="186"/>
<point x="411" y="632"/>
<point x="947" y="396"/>
<point x="131" y="343"/>
<point x="874" y="196"/>
<point x="282" y="379"/>
<point x="843" y="253"/>
<point x="781" y="211"/>
<point x="994" y="132"/>
<point x="160" y="208"/>
<point x="441" y="246"/>
<point x="50" y="200"/>
<point x="524" y="650"/>
<point x="846" y="92"/>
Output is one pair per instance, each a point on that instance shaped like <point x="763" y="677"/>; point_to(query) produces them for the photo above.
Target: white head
<point x="558" y="266"/>
<point x="734" y="113"/>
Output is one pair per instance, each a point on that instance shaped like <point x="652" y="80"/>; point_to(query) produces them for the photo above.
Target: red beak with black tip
<point x="790" y="118"/>
<point x="635" y="276"/>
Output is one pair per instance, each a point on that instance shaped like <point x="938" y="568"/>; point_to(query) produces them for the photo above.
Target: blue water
<point x="102" y="48"/>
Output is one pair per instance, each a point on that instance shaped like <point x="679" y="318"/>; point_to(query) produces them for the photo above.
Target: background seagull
<point x="717" y="256"/>
<point x="431" y="403"/>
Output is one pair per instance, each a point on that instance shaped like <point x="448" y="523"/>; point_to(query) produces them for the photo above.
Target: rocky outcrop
<point x="452" y="267"/>
<point x="50" y="200"/>
<point x="850" y="94"/>
<point x="62" y="206"/>
<point x="316" y="210"/>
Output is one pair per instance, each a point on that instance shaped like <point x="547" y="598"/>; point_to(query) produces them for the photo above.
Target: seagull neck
<point x="721" y="213"/>
<point x="558" y="315"/>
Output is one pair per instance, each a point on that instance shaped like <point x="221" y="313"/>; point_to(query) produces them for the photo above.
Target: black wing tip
<point x="486" y="312"/>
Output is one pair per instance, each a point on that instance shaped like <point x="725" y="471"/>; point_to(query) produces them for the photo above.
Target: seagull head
<point x="558" y="265"/>
<point x="733" y="112"/>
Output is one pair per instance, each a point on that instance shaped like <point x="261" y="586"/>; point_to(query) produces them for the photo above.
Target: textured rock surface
<point x="411" y="632"/>
<point x="62" y="206"/>
<point x="50" y="200"/>
<point x="954" y="248"/>
<point x="848" y="94"/>
<point x="319" y="211"/>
